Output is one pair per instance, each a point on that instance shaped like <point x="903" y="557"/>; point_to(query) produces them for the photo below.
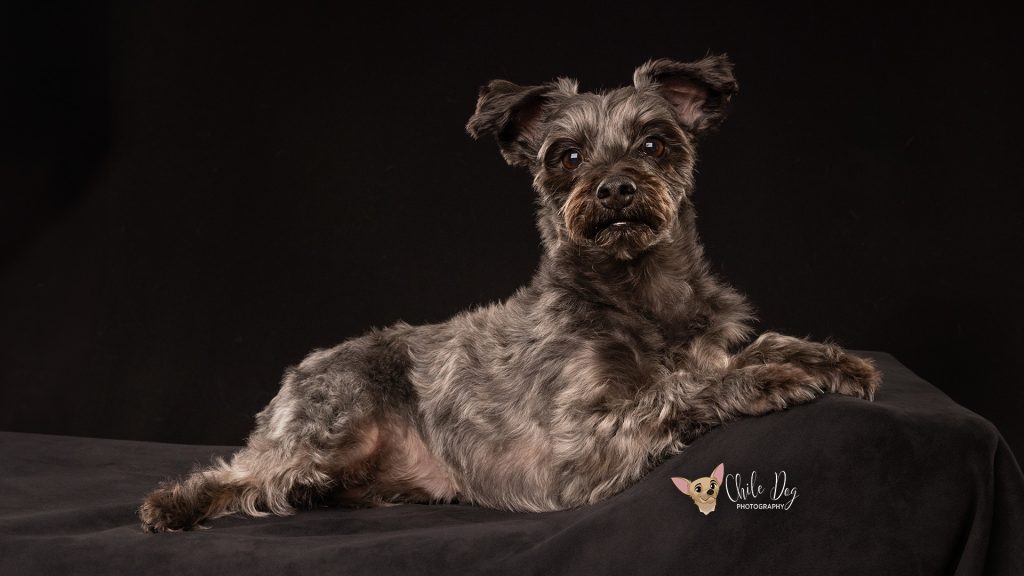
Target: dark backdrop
<point x="194" y="196"/>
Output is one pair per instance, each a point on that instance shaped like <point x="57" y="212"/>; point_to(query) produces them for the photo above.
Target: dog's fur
<point x="621" y="349"/>
<point x="704" y="491"/>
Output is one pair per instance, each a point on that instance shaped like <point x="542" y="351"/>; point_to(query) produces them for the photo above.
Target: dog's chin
<point x="624" y="239"/>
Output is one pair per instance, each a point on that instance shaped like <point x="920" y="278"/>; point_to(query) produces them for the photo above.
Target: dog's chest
<point x="666" y="339"/>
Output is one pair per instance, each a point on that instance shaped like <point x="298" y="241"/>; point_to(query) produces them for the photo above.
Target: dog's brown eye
<point x="572" y="159"/>
<point x="653" y="147"/>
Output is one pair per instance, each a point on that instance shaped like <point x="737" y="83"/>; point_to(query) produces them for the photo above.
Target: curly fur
<point x="622" y="348"/>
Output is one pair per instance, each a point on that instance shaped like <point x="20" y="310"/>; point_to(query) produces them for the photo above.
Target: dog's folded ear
<point x="515" y="115"/>
<point x="699" y="91"/>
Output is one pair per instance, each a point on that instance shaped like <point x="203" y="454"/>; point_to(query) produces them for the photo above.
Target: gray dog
<point x="623" y="347"/>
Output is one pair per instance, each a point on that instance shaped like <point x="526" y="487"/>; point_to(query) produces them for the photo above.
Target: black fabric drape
<point x="909" y="484"/>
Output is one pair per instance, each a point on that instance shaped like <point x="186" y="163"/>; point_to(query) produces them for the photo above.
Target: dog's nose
<point x="616" y="192"/>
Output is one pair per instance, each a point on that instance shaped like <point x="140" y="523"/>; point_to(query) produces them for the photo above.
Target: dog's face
<point x="703" y="491"/>
<point x="611" y="169"/>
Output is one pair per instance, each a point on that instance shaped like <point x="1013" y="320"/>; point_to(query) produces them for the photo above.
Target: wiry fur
<point x="621" y="349"/>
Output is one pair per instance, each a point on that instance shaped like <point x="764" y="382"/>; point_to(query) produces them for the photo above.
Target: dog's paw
<point x="857" y="377"/>
<point x="154" y="519"/>
<point x="161" y="512"/>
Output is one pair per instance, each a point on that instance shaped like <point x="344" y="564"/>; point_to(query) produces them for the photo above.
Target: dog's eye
<point x="696" y="489"/>
<point x="653" y="147"/>
<point x="572" y="159"/>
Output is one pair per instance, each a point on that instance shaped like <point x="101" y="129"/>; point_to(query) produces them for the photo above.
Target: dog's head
<point x="704" y="491"/>
<point x="611" y="168"/>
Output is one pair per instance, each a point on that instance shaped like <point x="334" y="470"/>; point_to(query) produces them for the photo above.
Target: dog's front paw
<point x="857" y="377"/>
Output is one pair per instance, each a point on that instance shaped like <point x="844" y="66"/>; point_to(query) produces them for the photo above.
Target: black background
<point x="194" y="196"/>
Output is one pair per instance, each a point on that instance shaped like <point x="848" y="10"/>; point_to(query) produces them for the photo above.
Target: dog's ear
<point x="515" y="115"/>
<point x="699" y="91"/>
<point x="683" y="484"/>
<point x="719" y="473"/>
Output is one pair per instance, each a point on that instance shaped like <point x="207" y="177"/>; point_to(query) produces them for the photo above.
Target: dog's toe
<point x="859" y="377"/>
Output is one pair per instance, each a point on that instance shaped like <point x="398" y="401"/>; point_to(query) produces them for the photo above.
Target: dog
<point x="622" y="349"/>
<point x="704" y="491"/>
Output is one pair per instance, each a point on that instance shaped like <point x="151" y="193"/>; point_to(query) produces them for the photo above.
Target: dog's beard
<point x="632" y="225"/>
<point x="622" y="233"/>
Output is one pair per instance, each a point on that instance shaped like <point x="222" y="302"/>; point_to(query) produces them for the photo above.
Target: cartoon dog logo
<point x="705" y="490"/>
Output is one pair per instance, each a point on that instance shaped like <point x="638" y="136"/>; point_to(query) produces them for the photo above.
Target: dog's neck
<point x="658" y="282"/>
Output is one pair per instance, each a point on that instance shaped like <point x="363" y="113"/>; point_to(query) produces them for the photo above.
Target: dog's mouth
<point x="619" y="224"/>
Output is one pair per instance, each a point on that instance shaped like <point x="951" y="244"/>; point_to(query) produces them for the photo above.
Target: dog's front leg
<point x="771" y="374"/>
<point x="835" y="369"/>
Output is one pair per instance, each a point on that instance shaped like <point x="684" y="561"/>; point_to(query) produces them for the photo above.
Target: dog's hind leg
<point x="321" y="433"/>
<point x="271" y="475"/>
<point x="256" y="481"/>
